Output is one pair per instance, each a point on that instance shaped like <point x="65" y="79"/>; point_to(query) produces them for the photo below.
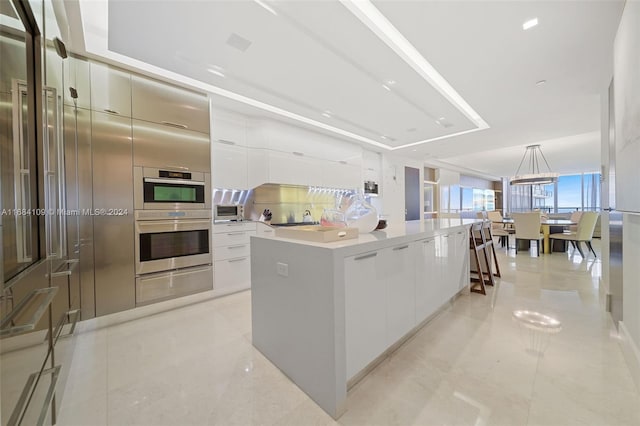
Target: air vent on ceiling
<point x="444" y="122"/>
<point x="238" y="42"/>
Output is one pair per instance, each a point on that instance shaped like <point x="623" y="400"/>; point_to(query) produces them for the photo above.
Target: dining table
<point x="546" y="225"/>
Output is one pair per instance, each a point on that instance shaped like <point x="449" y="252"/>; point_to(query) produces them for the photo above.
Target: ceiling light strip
<point x="369" y="15"/>
<point x="266" y="7"/>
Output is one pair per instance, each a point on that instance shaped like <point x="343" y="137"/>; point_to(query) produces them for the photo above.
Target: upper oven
<point x="166" y="240"/>
<point x="162" y="189"/>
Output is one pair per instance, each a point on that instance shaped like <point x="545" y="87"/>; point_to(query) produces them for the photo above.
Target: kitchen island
<point x="326" y="313"/>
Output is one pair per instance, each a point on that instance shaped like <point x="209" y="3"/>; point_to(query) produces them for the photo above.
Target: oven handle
<point x="175" y="181"/>
<point x="172" y="225"/>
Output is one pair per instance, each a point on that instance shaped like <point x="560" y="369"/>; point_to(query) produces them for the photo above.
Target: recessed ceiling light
<point x="327" y="114"/>
<point x="391" y="82"/>
<point x="386" y="87"/>
<point x="266" y="7"/>
<point x="384" y="137"/>
<point x="216" y="70"/>
<point x="530" y="24"/>
<point x="414" y="150"/>
<point x="541" y="82"/>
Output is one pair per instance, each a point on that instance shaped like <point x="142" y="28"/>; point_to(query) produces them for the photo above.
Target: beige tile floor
<point x="471" y="365"/>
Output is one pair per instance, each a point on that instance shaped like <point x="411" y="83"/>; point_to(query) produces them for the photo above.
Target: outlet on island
<point x="282" y="269"/>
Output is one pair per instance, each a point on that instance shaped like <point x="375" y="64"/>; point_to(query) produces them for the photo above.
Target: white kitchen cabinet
<point x="231" y="255"/>
<point x="365" y="311"/>
<point x="398" y="272"/>
<point x="257" y="166"/>
<point x="226" y="129"/>
<point x="232" y="273"/>
<point x="371" y="166"/>
<point x="340" y="175"/>
<point x="428" y="278"/>
<point x="445" y="252"/>
<point x="460" y="264"/>
<point x="229" y="165"/>
<point x="292" y="168"/>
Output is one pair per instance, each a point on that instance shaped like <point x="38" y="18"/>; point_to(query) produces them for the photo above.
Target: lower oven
<point x="173" y="254"/>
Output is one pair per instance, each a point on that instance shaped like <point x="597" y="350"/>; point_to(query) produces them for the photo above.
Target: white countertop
<point x="393" y="234"/>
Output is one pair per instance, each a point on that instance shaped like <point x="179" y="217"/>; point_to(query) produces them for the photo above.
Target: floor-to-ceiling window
<point x="570" y="193"/>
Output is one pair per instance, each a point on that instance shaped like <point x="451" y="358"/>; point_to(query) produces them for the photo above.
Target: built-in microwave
<point x="370" y="188"/>
<point x="165" y="189"/>
<point x="233" y="212"/>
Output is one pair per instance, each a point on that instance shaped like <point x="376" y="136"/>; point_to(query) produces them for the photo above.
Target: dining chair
<point x="575" y="218"/>
<point x="499" y="228"/>
<point x="528" y="228"/>
<point x="481" y="215"/>
<point x="584" y="232"/>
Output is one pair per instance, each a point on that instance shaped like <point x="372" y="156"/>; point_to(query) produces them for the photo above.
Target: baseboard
<point x="631" y="353"/>
<point x="154" y="308"/>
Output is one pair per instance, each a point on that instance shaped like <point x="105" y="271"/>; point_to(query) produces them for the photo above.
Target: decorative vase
<point x="333" y="217"/>
<point x="362" y="215"/>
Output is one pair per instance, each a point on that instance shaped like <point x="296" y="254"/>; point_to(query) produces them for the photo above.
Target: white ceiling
<point x="316" y="56"/>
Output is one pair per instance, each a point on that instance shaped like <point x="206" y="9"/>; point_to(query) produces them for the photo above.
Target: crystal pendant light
<point x="534" y="157"/>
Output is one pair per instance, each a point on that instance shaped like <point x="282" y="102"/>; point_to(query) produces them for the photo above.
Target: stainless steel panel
<point x="14" y="60"/>
<point x="147" y="226"/>
<point x="80" y="245"/>
<point x="110" y="90"/>
<point x="615" y="265"/>
<point x="54" y="64"/>
<point x="615" y="222"/>
<point x="114" y="264"/>
<point x="164" y="147"/>
<point x="76" y="75"/>
<point x="162" y="103"/>
<point x="156" y="287"/>
<point x="113" y="235"/>
<point x="72" y="205"/>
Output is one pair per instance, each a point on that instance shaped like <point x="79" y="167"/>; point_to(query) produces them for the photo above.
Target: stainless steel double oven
<point x="172" y="233"/>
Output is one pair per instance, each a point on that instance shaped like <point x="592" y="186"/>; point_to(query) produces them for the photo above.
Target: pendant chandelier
<point x="532" y="157"/>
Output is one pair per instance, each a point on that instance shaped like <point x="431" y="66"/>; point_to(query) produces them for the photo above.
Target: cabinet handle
<point x="342" y="162"/>
<point x="111" y="111"/>
<point x="366" y="256"/>
<point x="240" y="259"/>
<point x="226" y="142"/>
<point x="235" y="233"/>
<point x="235" y="247"/>
<point x="178" y="125"/>
<point x="299" y="154"/>
<point x="427" y="241"/>
<point x="400" y="248"/>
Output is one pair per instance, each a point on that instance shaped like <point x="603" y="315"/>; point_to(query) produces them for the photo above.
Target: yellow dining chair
<point x="528" y="228"/>
<point x="584" y="233"/>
